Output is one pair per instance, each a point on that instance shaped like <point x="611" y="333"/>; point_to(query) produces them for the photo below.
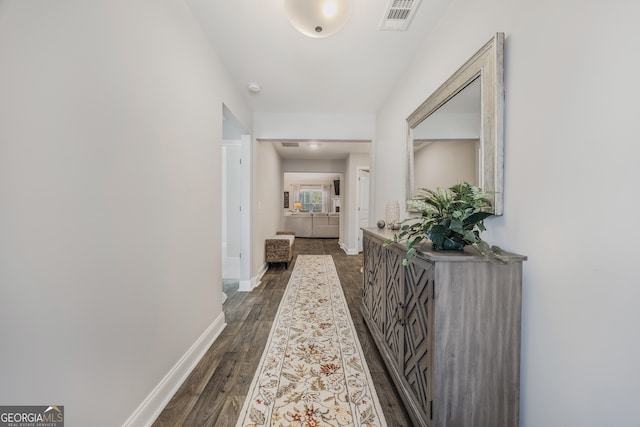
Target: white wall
<point x="110" y="132"/>
<point x="267" y="209"/>
<point x="306" y="165"/>
<point x="571" y="187"/>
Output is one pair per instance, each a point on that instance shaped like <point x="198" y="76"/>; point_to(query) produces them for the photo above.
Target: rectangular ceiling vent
<point x="399" y="14"/>
<point x="290" y="144"/>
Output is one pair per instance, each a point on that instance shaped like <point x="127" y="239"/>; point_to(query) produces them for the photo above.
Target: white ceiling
<point x="352" y="71"/>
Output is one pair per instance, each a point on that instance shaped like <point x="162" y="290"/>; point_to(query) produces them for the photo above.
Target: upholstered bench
<point x="280" y="247"/>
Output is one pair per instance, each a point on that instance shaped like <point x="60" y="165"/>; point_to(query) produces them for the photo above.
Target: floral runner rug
<point x="312" y="372"/>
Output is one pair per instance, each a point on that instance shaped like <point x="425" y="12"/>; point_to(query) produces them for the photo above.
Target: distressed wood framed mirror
<point x="457" y="134"/>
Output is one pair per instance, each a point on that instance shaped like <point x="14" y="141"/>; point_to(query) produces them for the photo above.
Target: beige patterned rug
<point x="312" y="372"/>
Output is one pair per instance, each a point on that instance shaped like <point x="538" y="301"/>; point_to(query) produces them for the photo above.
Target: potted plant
<point x="451" y="219"/>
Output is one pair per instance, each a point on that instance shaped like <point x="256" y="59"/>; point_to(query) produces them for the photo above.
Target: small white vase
<point x="392" y="213"/>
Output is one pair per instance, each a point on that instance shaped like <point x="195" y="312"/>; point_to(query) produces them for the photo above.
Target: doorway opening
<point x="235" y="201"/>
<point x="312" y="207"/>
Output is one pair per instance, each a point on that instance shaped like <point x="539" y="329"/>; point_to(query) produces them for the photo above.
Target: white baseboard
<point x="347" y="250"/>
<point x="244" y="286"/>
<point x="254" y="282"/>
<point x="156" y="401"/>
<point x="257" y="279"/>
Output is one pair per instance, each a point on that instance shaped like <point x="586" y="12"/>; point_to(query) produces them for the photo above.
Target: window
<point x="312" y="200"/>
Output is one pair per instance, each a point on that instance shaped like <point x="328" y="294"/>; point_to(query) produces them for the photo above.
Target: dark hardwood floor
<point x="215" y="391"/>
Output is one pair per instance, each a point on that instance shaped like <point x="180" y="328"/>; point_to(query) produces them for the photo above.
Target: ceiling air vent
<point x="399" y="14"/>
<point x="290" y="144"/>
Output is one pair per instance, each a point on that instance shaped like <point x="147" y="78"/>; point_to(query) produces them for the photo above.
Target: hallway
<point x="215" y="391"/>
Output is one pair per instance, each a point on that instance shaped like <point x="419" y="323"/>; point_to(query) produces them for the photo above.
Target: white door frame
<point x="358" y="232"/>
<point x="245" y="213"/>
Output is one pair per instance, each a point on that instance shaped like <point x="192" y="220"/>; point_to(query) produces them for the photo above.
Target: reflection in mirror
<point x="456" y="135"/>
<point x="446" y="145"/>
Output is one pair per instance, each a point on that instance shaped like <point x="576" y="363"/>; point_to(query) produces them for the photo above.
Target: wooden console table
<point x="448" y="329"/>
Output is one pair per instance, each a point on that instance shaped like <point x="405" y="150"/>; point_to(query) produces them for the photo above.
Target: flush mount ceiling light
<point x="318" y="18"/>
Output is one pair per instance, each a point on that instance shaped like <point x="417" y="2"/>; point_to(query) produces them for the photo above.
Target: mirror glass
<point x="446" y="145"/>
<point x="456" y="135"/>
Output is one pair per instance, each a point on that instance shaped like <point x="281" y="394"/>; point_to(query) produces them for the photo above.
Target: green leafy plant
<point x="451" y="219"/>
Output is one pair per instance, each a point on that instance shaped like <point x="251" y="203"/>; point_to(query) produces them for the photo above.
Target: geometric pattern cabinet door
<point x="418" y="334"/>
<point x="367" y="259"/>
<point x="395" y="306"/>
<point x="378" y="302"/>
<point x="374" y="275"/>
